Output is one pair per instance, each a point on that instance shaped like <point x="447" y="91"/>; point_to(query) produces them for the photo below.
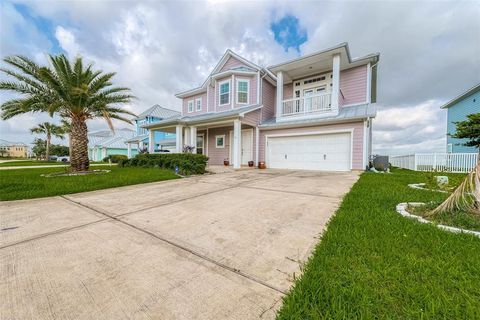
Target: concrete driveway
<point x="223" y="246"/>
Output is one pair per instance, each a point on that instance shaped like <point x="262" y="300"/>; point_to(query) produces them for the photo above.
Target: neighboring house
<point x="457" y="110"/>
<point x="104" y="143"/>
<point x="314" y="112"/>
<point x="162" y="140"/>
<point x="13" y="149"/>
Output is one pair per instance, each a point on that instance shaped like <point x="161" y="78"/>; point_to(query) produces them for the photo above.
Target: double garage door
<point x="330" y="152"/>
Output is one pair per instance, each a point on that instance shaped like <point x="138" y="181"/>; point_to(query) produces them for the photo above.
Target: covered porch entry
<point x="227" y="140"/>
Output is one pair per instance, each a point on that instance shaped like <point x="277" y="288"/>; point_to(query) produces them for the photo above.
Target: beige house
<point x="13" y="149"/>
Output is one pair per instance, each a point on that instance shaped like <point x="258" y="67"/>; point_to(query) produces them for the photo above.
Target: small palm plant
<point x="467" y="195"/>
<point x="49" y="130"/>
<point x="72" y="91"/>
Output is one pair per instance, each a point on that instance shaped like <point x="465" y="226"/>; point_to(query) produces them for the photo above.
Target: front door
<point x="247" y="146"/>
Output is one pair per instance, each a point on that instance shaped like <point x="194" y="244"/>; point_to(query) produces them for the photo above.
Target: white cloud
<point x="429" y="51"/>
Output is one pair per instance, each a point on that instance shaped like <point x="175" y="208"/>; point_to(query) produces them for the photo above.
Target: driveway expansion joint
<point x="178" y="246"/>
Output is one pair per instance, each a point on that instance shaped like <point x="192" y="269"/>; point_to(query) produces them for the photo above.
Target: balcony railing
<point x="312" y="104"/>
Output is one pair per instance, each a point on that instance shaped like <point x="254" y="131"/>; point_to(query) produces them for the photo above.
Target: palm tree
<point x="49" y="129"/>
<point x="69" y="90"/>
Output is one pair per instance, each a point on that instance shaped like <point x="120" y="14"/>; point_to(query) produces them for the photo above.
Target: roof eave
<point x="460" y="97"/>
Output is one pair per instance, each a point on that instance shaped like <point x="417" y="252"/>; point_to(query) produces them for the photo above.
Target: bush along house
<point x="313" y="113"/>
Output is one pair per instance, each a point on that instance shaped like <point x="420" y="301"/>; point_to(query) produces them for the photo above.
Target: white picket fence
<point x="448" y="162"/>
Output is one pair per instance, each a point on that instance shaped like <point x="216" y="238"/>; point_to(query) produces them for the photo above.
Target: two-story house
<point x="162" y="141"/>
<point x="314" y="112"/>
<point x="457" y="110"/>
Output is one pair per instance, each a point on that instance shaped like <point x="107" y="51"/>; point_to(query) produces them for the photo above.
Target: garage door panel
<point x="310" y="152"/>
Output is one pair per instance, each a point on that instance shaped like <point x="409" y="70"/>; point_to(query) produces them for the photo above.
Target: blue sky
<point x="288" y="32"/>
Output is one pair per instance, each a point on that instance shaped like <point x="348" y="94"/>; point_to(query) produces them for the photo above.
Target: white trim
<point x="229" y="92"/>
<point x="258" y="87"/>
<point x="369" y="83"/>
<point x="257" y="141"/>
<point x="188" y="106"/>
<point x="365" y="146"/>
<point x="196" y="105"/>
<point x="311" y="133"/>
<point x="220" y="136"/>
<point x="233" y="91"/>
<point x="231" y="143"/>
<point x="227" y="73"/>
<point x="354" y="104"/>
<point x="237" y="81"/>
<point x="206" y="147"/>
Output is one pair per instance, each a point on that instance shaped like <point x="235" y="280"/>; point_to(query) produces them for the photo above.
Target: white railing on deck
<point x="312" y="104"/>
<point x="448" y="162"/>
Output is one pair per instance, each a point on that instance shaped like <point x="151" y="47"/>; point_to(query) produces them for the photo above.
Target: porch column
<point x="151" y="141"/>
<point x="279" y="94"/>
<point x="335" y="82"/>
<point x="237" y="144"/>
<point x="187" y="136"/>
<point x="179" y="139"/>
<point x="193" y="137"/>
<point x="129" y="150"/>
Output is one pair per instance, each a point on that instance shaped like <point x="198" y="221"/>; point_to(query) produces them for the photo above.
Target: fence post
<point x="415" y="162"/>
<point x="434" y="162"/>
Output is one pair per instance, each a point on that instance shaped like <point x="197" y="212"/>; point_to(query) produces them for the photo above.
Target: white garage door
<point x="310" y="152"/>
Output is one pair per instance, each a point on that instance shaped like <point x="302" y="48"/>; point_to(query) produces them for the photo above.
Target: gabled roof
<point x="109" y="139"/>
<point x="157" y="111"/>
<point x="229" y="53"/>
<point x="460" y="97"/>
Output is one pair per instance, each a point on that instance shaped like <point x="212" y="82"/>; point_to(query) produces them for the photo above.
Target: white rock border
<point x="420" y="186"/>
<point x="402" y="209"/>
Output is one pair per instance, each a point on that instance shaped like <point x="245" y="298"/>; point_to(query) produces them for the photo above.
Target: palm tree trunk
<point x="79" y="145"/>
<point x="47" y="148"/>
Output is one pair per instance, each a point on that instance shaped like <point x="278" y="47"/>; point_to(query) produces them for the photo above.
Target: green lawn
<point x="34" y="163"/>
<point x="27" y="183"/>
<point x="373" y="263"/>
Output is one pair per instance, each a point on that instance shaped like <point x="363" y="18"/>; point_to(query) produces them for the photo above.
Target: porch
<point x="233" y="141"/>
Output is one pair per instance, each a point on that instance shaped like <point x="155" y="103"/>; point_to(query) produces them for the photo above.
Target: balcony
<point x="314" y="104"/>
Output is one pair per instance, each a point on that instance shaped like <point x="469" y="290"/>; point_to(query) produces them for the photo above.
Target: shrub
<point x="115" y="158"/>
<point x="187" y="163"/>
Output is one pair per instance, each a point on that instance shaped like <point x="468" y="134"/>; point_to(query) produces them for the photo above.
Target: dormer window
<point x="242" y="91"/>
<point x="190" y="106"/>
<point x="198" y="104"/>
<point x="224" y="92"/>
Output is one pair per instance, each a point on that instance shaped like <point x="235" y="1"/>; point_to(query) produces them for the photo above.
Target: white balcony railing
<point x="312" y="104"/>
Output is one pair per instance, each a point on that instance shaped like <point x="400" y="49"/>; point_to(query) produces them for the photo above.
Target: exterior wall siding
<point x="268" y="100"/>
<point x="202" y="96"/>
<point x="211" y="99"/>
<point x="459" y="112"/>
<point x="353" y="85"/>
<point x="357" y="147"/>
<point x="232" y="63"/>
<point x="217" y="155"/>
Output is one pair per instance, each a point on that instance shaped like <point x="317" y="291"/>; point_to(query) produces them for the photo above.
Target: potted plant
<point x="261" y="165"/>
<point x="250" y="163"/>
<point x="226" y="162"/>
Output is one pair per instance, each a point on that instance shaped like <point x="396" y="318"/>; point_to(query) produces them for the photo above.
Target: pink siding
<point x="253" y="118"/>
<point x="353" y="85"/>
<point x="217" y="155"/>
<point x="185" y="112"/>
<point x="357" y="147"/>
<point x="288" y="91"/>
<point x="232" y="63"/>
<point x="211" y="99"/>
<point x="268" y="100"/>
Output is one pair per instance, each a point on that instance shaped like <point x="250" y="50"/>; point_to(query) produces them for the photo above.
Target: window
<point x="199" y="144"/>
<point x="190" y="106"/>
<point x="224" y="93"/>
<point x="242" y="91"/>
<point x="220" y="141"/>
<point x="198" y="104"/>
